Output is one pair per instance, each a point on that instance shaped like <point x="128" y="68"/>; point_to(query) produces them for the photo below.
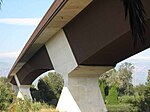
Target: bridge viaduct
<point x="79" y="39"/>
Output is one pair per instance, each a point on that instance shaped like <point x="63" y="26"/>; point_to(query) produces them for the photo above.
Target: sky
<point x="141" y="62"/>
<point x="18" y="20"/>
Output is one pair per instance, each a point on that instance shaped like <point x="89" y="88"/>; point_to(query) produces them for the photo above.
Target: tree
<point x="112" y="97"/>
<point x="147" y="98"/>
<point x="125" y="72"/>
<point x="49" y="89"/>
<point x="6" y="94"/>
<point x="102" y="86"/>
<point x="122" y="78"/>
<point x="142" y="98"/>
<point x="148" y="77"/>
<point x="109" y="77"/>
<point x="55" y="82"/>
<point x="137" y="18"/>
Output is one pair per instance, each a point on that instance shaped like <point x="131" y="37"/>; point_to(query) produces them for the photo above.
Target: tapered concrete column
<point x="64" y="62"/>
<point x="15" y="88"/>
<point x="83" y="93"/>
<point x="66" y="102"/>
<point x="86" y="92"/>
<point x="23" y="91"/>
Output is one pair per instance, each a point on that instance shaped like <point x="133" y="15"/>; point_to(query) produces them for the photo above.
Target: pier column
<point x="81" y="91"/>
<point x="23" y="90"/>
<point x="82" y="94"/>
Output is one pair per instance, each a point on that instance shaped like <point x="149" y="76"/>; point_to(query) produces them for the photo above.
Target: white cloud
<point x="4" y="55"/>
<point x="137" y="57"/>
<point x="144" y="58"/>
<point x="21" y="21"/>
<point x="141" y="63"/>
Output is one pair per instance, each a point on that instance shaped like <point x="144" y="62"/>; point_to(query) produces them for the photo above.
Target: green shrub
<point x="6" y="94"/>
<point x="102" y="86"/>
<point x="121" y="108"/>
<point x="27" y="106"/>
<point x="20" y="105"/>
<point x="112" y="97"/>
<point x="36" y="106"/>
<point x="126" y="99"/>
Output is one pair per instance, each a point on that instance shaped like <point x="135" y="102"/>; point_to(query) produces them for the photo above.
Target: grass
<point x="26" y="105"/>
<point x="121" y="108"/>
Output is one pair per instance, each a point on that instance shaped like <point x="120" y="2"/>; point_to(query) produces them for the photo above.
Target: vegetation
<point x="116" y="86"/>
<point x="148" y="77"/>
<point x="102" y="86"/>
<point x="122" y="78"/>
<point x="27" y="106"/>
<point x="122" y="96"/>
<point x="112" y="98"/>
<point x="50" y="86"/>
<point x="6" y="94"/>
<point x="49" y="89"/>
<point x="119" y="108"/>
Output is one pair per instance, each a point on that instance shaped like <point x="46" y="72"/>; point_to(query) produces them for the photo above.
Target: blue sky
<point x="19" y="18"/>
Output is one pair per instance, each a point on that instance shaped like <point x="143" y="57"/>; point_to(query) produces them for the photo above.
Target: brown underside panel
<point x="13" y="81"/>
<point x="118" y="50"/>
<point x="100" y="35"/>
<point x="33" y="75"/>
<point x="94" y="28"/>
<point x="38" y="64"/>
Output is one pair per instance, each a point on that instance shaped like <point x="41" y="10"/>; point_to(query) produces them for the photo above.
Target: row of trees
<point x="115" y="83"/>
<point x="47" y="94"/>
<point x="117" y="88"/>
<point x="121" y="79"/>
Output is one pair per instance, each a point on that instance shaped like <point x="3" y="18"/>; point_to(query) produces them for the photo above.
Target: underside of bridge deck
<point x="38" y="64"/>
<point x="79" y="40"/>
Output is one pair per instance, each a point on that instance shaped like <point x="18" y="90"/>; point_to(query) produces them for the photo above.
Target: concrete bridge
<point x="79" y="39"/>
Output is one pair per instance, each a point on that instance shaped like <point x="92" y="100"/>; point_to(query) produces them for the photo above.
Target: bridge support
<point x="23" y="91"/>
<point x="15" y="88"/>
<point x="82" y="94"/>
